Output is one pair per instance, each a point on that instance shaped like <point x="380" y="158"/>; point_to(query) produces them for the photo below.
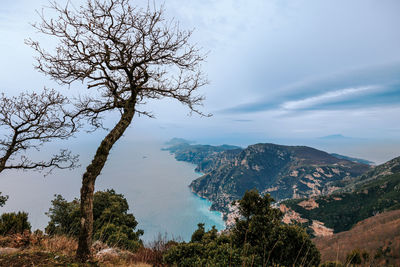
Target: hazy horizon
<point x="278" y="70"/>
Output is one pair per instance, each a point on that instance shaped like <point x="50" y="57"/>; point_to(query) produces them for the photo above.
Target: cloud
<point x="351" y="88"/>
<point x="277" y="68"/>
<point x="328" y="97"/>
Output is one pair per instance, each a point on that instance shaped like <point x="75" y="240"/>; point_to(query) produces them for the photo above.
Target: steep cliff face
<point x="282" y="171"/>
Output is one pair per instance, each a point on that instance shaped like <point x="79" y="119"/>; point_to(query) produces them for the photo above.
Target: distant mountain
<point x="202" y="155"/>
<point x="335" y="137"/>
<point x="282" y="171"/>
<point x="176" y="141"/>
<point x="363" y="161"/>
<point x="372" y="193"/>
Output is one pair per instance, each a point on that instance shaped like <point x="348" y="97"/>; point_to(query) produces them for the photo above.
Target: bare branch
<point x="30" y="120"/>
<point x="123" y="51"/>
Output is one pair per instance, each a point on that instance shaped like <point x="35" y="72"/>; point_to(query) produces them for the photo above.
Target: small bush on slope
<point x="13" y="223"/>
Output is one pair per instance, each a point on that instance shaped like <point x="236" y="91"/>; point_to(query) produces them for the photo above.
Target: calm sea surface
<point x="153" y="182"/>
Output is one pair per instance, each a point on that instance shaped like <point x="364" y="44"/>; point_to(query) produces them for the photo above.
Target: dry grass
<point x="378" y="233"/>
<point x="39" y="250"/>
<point x="60" y="244"/>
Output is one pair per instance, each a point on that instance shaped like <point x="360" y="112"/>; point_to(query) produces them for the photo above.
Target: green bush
<point x="64" y="217"/>
<point x="257" y="239"/>
<point x="112" y="224"/>
<point x="14" y="223"/>
<point x="208" y="249"/>
<point x="3" y="200"/>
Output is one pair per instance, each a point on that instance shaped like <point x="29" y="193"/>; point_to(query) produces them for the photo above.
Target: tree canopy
<point x="113" y="224"/>
<point x="259" y="238"/>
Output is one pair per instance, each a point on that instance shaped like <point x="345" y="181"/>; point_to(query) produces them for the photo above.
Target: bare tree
<point x="27" y="122"/>
<point x="128" y="55"/>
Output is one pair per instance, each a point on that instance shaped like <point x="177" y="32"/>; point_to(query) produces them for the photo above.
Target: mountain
<point x="372" y="193"/>
<point x="387" y="168"/>
<point x="363" y="161"/>
<point x="282" y="171"/>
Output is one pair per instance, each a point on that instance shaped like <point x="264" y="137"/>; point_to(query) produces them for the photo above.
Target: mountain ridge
<point x="282" y="171"/>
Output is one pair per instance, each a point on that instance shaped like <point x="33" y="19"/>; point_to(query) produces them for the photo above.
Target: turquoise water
<point x="158" y="192"/>
<point x="153" y="182"/>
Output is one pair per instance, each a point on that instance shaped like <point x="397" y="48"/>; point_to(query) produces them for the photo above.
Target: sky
<point x="321" y="73"/>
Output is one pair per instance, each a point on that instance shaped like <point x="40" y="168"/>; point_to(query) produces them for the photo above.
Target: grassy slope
<point x="380" y="233"/>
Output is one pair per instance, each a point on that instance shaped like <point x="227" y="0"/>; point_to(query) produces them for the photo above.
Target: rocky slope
<point x="372" y="193"/>
<point x="282" y="171"/>
<point x="387" y="168"/>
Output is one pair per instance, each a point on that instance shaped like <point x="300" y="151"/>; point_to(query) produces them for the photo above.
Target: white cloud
<point x="328" y="97"/>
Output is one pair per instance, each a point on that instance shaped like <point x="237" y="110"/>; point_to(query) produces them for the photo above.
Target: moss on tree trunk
<point x="89" y="179"/>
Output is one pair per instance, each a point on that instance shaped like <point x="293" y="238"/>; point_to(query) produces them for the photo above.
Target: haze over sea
<point x="153" y="182"/>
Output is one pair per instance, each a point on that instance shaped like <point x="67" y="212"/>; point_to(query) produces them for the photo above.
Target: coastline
<point x="209" y="202"/>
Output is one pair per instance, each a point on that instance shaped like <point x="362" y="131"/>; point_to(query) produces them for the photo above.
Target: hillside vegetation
<point x="373" y="193"/>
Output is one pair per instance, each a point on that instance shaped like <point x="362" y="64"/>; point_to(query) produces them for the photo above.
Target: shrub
<point x="257" y="239"/>
<point x="211" y="250"/>
<point x="14" y="223"/>
<point x="3" y="200"/>
<point x="354" y="257"/>
<point x="112" y="224"/>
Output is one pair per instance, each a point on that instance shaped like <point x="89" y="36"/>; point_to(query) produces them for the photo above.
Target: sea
<point x="153" y="182"/>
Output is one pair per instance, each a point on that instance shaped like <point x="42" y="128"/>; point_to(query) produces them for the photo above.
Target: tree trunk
<point x="88" y="181"/>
